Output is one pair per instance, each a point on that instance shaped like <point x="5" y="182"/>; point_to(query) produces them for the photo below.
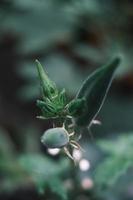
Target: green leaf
<point x="48" y="87"/>
<point x="120" y="158"/>
<point x="111" y="170"/>
<point x="45" y="172"/>
<point x="57" y="187"/>
<point x="76" y="107"/>
<point x="47" y="105"/>
<point x="94" y="91"/>
<point x="62" y="97"/>
<point x="47" y="109"/>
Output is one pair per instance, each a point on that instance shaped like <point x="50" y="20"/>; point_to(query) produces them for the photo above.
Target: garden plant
<point x="70" y="116"/>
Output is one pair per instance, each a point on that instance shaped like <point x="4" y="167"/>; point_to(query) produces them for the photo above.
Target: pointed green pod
<point x="48" y="87"/>
<point x="55" y="138"/>
<point x="94" y="91"/>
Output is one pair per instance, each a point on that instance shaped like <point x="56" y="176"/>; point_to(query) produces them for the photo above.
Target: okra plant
<point x="68" y="116"/>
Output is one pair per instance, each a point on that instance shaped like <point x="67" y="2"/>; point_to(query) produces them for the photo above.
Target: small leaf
<point x="48" y="87"/>
<point x="62" y="97"/>
<point x="42" y="104"/>
<point x="47" y="109"/>
<point x="94" y="90"/>
<point x="76" y="107"/>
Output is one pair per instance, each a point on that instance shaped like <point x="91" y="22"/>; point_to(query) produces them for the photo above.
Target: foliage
<point x="88" y="100"/>
<point x="79" y="112"/>
<point x="119" y="159"/>
<point x="94" y="91"/>
<point x="30" y="168"/>
<point x="44" y="175"/>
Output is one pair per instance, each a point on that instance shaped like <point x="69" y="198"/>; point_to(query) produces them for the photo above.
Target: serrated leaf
<point x="45" y="172"/>
<point x="111" y="169"/>
<point x="94" y="90"/>
<point x="120" y="158"/>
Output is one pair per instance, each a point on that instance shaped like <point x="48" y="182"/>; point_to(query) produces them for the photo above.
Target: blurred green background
<point x="71" y="38"/>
